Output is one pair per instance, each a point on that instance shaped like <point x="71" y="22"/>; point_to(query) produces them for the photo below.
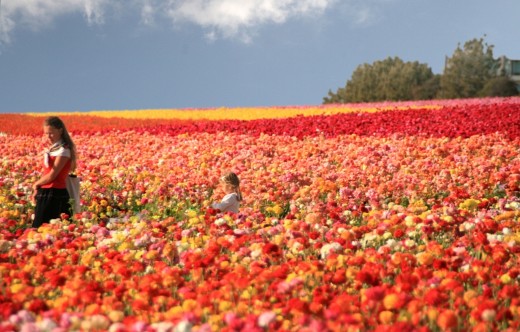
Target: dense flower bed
<point x="386" y="221"/>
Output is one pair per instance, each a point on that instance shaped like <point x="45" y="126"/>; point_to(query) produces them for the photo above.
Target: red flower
<point x="481" y="238"/>
<point x="375" y="294"/>
<point x="368" y="278"/>
<point x="37" y="305"/>
<point x="435" y="298"/>
<point x="339" y="277"/>
<point x="297" y="305"/>
<point x="271" y="249"/>
<point x="398" y="233"/>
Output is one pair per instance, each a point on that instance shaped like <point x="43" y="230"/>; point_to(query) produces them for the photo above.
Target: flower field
<point x="395" y="217"/>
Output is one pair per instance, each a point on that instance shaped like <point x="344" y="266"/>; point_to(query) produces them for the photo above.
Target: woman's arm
<point x="59" y="163"/>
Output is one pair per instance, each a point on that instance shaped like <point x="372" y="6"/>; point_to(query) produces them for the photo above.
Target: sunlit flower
<point x="387" y="216"/>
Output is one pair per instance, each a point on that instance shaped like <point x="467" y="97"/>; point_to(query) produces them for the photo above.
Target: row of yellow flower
<point x="270" y="112"/>
<point x="239" y="113"/>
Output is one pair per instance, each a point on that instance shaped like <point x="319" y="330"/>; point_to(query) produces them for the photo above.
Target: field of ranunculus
<point x="381" y="217"/>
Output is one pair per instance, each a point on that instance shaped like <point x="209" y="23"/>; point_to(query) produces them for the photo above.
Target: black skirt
<point x="50" y="204"/>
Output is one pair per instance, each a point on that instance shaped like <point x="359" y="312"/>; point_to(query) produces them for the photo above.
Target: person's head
<point x="54" y="129"/>
<point x="231" y="184"/>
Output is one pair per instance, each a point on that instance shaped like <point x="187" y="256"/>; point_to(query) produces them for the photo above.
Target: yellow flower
<point x="390" y="301"/>
<point x="191" y="213"/>
<point x="224" y="306"/>
<point x="116" y="316"/>
<point x="432" y="314"/>
<point x="386" y="317"/>
<point x="505" y="279"/>
<point x="469" y="204"/>
<point x="15" y="288"/>
<point x="277" y="209"/>
<point x="173" y="312"/>
<point x="189" y="305"/>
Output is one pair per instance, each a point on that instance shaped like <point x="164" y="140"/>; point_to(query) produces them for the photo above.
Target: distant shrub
<point x="499" y="87"/>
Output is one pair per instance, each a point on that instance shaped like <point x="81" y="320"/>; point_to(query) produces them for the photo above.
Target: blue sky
<point x="82" y="55"/>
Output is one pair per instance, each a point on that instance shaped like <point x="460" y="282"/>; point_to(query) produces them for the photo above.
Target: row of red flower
<point x="463" y="121"/>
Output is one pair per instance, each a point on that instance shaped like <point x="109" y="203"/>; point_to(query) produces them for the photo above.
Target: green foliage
<point x="428" y="89"/>
<point x="390" y="79"/>
<point x="468" y="70"/>
<point x="500" y="86"/>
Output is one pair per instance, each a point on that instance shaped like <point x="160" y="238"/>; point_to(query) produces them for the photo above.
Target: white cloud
<point x="36" y="14"/>
<point x="218" y="18"/>
<point x="362" y="13"/>
<point x="240" y="18"/>
<point x="148" y="12"/>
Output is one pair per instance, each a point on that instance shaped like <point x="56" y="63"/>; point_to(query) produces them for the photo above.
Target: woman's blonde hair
<point x="56" y="122"/>
<point x="233" y="180"/>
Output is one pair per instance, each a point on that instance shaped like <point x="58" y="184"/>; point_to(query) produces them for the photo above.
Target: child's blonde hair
<point x="233" y="180"/>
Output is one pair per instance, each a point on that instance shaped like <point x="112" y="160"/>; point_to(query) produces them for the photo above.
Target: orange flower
<point x="391" y="301"/>
<point x="447" y="319"/>
<point x="386" y="317"/>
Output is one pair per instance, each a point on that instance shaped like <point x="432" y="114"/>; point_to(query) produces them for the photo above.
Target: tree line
<point x="471" y="71"/>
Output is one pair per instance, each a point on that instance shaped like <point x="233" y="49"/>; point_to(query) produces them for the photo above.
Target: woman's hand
<point x="34" y="193"/>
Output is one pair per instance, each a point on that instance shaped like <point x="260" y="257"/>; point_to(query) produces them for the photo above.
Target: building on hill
<point x="510" y="68"/>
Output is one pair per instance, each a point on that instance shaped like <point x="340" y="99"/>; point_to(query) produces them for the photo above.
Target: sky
<point x="85" y="55"/>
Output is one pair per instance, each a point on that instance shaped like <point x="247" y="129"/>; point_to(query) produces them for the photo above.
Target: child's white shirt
<point x="229" y="203"/>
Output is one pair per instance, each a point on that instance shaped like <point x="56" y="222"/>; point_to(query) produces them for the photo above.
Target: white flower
<point x="392" y="243"/>
<point x="99" y="322"/>
<point x="220" y="221"/>
<point x="163" y="326"/>
<point x="54" y="221"/>
<point x="468" y="226"/>
<point x="488" y="315"/>
<point x="409" y="243"/>
<point x="256" y="253"/>
<point x="459" y="250"/>
<point x="296" y="247"/>
<point x="117" y="327"/>
<point x="266" y="318"/>
<point x="183" y="326"/>
<point x="329" y="248"/>
<point x="494" y="237"/>
<point x="465" y="268"/>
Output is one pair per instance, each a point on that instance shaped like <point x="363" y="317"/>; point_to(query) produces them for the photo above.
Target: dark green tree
<point x="391" y="79"/>
<point x="500" y="86"/>
<point x="427" y="90"/>
<point x="467" y="70"/>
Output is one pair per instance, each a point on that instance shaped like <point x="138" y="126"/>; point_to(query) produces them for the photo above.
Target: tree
<point x="389" y="79"/>
<point x="467" y="70"/>
<point x="427" y="90"/>
<point x="500" y="86"/>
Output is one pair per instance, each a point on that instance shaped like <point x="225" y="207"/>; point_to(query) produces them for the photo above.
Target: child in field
<point x="231" y="201"/>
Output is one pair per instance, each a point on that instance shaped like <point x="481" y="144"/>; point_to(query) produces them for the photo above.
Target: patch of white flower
<point x="330" y="248"/>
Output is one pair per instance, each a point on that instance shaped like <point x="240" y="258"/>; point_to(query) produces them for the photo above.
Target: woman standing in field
<point x="50" y="191"/>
